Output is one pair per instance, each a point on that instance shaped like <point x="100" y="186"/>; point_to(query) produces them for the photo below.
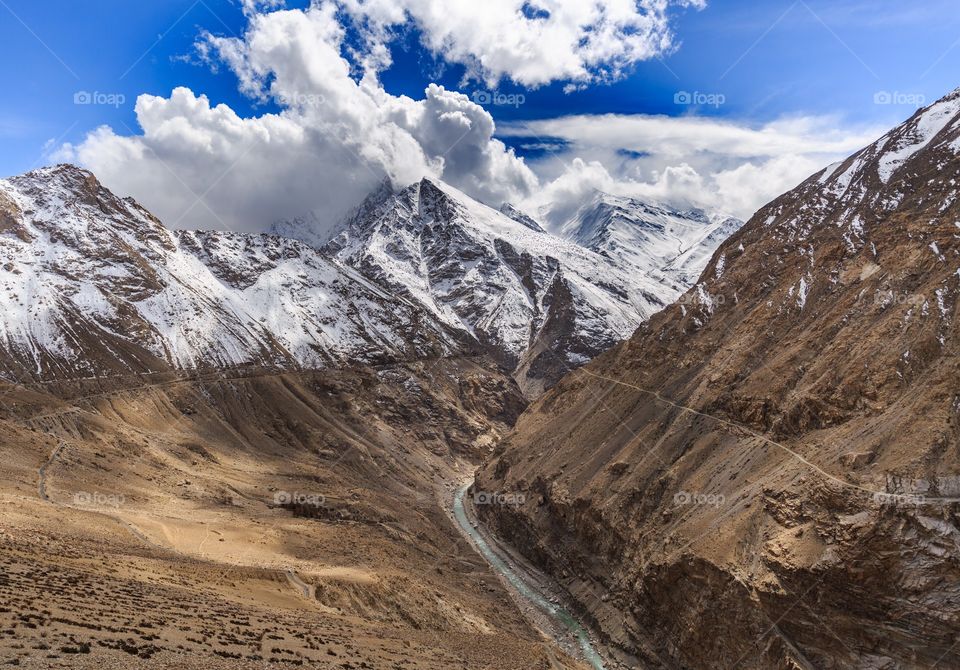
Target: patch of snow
<point x="828" y="172"/>
<point x="721" y="263"/>
<point x="802" y="292"/>
<point x="916" y="137"/>
<point x="941" y="294"/>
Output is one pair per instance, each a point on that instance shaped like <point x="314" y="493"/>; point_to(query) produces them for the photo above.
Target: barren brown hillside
<point x="766" y="474"/>
<point x="252" y="519"/>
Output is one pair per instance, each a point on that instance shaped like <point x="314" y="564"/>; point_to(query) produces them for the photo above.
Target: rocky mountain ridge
<point x="543" y="304"/>
<point x="766" y="475"/>
<point x="91" y="283"/>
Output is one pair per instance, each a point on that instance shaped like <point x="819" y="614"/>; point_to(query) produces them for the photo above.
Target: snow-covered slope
<point x="876" y="180"/>
<point x="90" y="282"/>
<point x="482" y="271"/>
<point x="669" y="245"/>
<point x="512" y="212"/>
<point x="543" y="303"/>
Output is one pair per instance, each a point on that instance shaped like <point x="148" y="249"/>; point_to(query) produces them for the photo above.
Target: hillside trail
<point x="737" y="426"/>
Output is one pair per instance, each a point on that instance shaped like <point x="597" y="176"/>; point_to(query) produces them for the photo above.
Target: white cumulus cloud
<point x="200" y="165"/>
<point x="338" y="132"/>
<point x="532" y="42"/>
<point x="734" y="167"/>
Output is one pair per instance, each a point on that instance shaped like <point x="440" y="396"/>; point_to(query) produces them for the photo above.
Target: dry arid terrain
<point x="253" y="519"/>
<point x="766" y="474"/>
<point x="458" y="335"/>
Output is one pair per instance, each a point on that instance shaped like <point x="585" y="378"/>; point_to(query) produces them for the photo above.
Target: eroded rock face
<point x="11" y="218"/>
<point x="763" y="476"/>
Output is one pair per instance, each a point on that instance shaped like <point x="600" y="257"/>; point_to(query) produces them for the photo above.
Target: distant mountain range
<point x="541" y="304"/>
<point x="92" y="283"/>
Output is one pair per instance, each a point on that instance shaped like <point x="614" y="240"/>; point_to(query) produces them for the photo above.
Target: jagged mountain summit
<point x="668" y="244"/>
<point x="767" y="475"/>
<point x="540" y="303"/>
<point x="91" y="283"/>
<point x="513" y="287"/>
<point x="519" y="216"/>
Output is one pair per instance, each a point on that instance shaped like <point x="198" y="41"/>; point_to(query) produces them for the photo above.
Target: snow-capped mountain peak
<point x="519" y="216"/>
<point x="92" y="283"/>
<point x="878" y="180"/>
<point x="542" y="303"/>
<point x="669" y="244"/>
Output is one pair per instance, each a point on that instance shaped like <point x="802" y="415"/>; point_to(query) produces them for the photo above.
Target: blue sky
<point x="815" y="57"/>
<point x="748" y="62"/>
